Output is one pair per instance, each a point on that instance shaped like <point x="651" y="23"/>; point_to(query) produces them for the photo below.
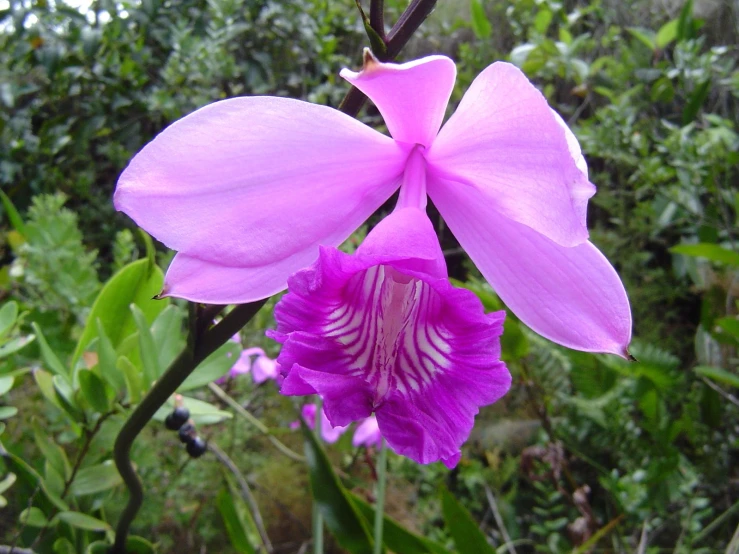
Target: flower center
<point x="391" y="331"/>
<point x="413" y="189"/>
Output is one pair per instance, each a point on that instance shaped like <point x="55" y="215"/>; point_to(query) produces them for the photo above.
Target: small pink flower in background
<point x="367" y="433"/>
<point x="262" y="369"/>
<point x="329" y="433"/>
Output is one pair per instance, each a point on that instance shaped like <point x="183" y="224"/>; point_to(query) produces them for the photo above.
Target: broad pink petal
<point x="412" y="97"/>
<point x="264" y="368"/>
<point x="571" y="295"/>
<point x="505" y="140"/>
<point x="253" y="186"/>
<point x="372" y="333"/>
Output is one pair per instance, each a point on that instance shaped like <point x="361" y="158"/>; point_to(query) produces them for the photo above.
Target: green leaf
<point x="666" y="34"/>
<point x="64" y="546"/>
<point x="29" y="476"/>
<point x="338" y="511"/>
<point x="8" y="315"/>
<point x="137" y="283"/>
<point x="201" y="412"/>
<point x="94" y="479"/>
<point x="6" y="412"/>
<point x="53" y="363"/>
<point x="6" y="383"/>
<point x="396" y="537"/>
<point x="480" y="23"/>
<point x="65" y="393"/>
<point x="719" y="375"/>
<point x="729" y="324"/>
<point x="711" y="252"/>
<point x="13" y="216"/>
<point x="83" y="521"/>
<point x="168" y="334"/>
<point x="14" y="345"/>
<point x="45" y="383"/>
<point x="213" y="367"/>
<point x="33" y="517"/>
<point x="95" y="391"/>
<point x="695" y="102"/>
<point x="133" y="378"/>
<point x="645" y="36"/>
<point x="542" y="21"/>
<point x="107" y="361"/>
<point x="685" y="24"/>
<point x="464" y="530"/>
<point x="147" y="348"/>
<point x="234" y="523"/>
<point x="7" y="482"/>
<point x="51" y="451"/>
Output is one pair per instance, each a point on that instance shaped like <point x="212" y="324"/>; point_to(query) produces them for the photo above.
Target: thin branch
<point x="727" y="396"/>
<point x="499" y="520"/>
<point x="245" y="492"/>
<point x="220" y="393"/>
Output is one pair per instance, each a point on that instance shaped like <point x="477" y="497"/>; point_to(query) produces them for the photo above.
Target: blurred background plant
<point x="587" y="453"/>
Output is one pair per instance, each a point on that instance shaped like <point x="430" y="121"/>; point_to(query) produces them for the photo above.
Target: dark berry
<point x="196" y="447"/>
<point x="187" y="432"/>
<point x="177" y="418"/>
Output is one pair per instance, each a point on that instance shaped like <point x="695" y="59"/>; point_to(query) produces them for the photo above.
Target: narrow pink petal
<point x="505" y="140"/>
<point x="571" y="295"/>
<point x="250" y="183"/>
<point x="412" y="97"/>
<point x="264" y="368"/>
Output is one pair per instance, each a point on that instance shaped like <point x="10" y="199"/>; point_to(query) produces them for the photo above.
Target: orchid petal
<point x="570" y="295"/>
<point x="505" y="140"/>
<point x="250" y="183"/>
<point x="412" y="97"/>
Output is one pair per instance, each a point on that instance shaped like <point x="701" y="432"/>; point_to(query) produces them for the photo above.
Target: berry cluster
<point x="179" y="420"/>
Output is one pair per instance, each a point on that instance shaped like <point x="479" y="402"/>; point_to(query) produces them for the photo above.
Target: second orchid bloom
<point x="252" y="190"/>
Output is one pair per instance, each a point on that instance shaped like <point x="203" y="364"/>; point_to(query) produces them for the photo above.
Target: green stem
<point x="316" y="516"/>
<point x="380" y="496"/>
<point x="199" y="348"/>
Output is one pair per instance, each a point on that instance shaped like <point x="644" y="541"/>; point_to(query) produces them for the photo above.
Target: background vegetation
<point x="587" y="453"/>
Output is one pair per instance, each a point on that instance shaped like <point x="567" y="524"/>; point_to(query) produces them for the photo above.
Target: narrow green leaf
<point x="339" y="513"/>
<point x="711" y="252"/>
<point x="7" y="482"/>
<point x="213" y="367"/>
<point x="645" y="36"/>
<point x="15" y="345"/>
<point x="8" y="315"/>
<point x="480" y="23"/>
<point x="6" y="412"/>
<point x="45" y="383"/>
<point x="396" y="537"/>
<point x="685" y="24"/>
<point x="33" y="517"/>
<point x="97" y="478"/>
<point x="107" y="361"/>
<point x="83" y="521"/>
<point x="201" y="412"/>
<point x="53" y="363"/>
<point x="730" y="325"/>
<point x="695" y="102"/>
<point x="28" y="475"/>
<point x="13" y="216"/>
<point x="666" y="34"/>
<point x="464" y="530"/>
<point x="6" y="383"/>
<point x="147" y="348"/>
<point x="168" y="334"/>
<point x="235" y="526"/>
<point x="95" y="391"/>
<point x="719" y="375"/>
<point x="542" y="20"/>
<point x="65" y="393"/>
<point x="51" y="451"/>
<point x="133" y="378"/>
<point x="137" y="283"/>
<point x="64" y="546"/>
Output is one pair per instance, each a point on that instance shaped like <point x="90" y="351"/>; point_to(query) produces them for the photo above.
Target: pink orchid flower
<point x="274" y="183"/>
<point x="329" y="433"/>
<point x="247" y="189"/>
<point x="367" y="433"/>
<point x="262" y="369"/>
